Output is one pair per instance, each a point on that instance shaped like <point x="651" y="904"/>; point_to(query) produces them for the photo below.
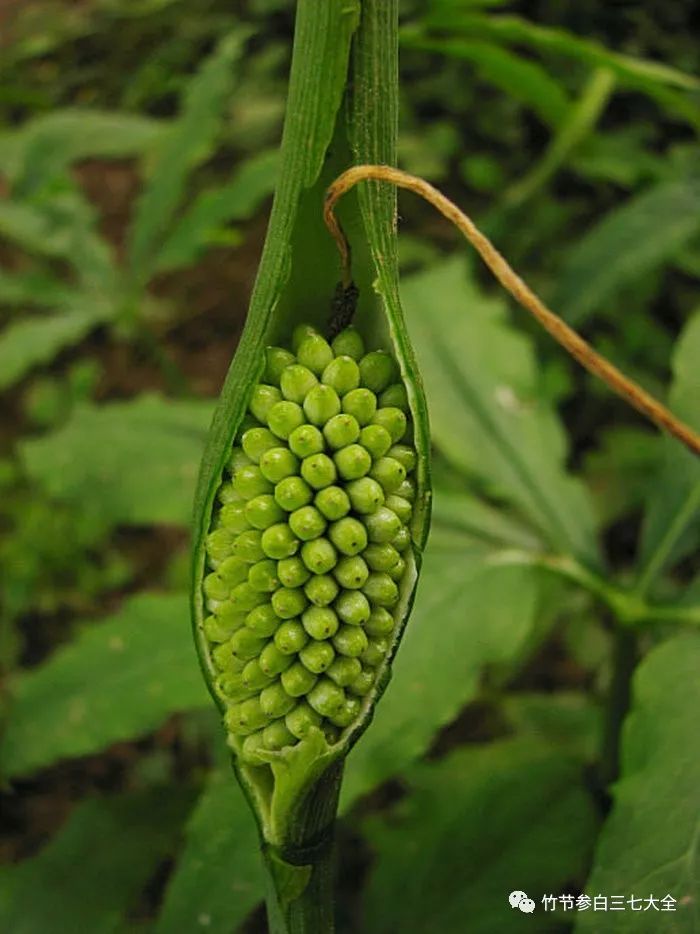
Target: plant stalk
<point x="310" y="911"/>
<point x="619" y="694"/>
<point x="300" y="876"/>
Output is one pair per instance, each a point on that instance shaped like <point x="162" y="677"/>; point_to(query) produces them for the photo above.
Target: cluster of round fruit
<point x="308" y="542"/>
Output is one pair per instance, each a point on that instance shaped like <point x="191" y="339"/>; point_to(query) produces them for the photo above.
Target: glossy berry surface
<point x="309" y="542"/>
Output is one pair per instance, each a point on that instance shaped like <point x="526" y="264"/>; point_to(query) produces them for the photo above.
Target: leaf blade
<point x="649" y="844"/>
<point x="135" y="462"/>
<point x="118" y="680"/>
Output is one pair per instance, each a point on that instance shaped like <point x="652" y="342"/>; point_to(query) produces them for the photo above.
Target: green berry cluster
<point x="308" y="541"/>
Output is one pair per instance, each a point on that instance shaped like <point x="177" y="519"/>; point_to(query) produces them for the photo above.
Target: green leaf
<point x="486" y="417"/>
<point x="568" y="720"/>
<point x="34" y="288"/>
<point x="470" y="612"/>
<point x="62" y="225"/>
<point x="519" y="78"/>
<point x="134" y="462"/>
<point x="486" y="820"/>
<point x="649" y="844"/>
<point x="219" y="875"/>
<point x="90" y="874"/>
<point x="203" y="223"/>
<point x="187" y="143"/>
<point x="45" y="146"/>
<point x="578" y="123"/>
<point x="29" y="342"/>
<point x="665" y="84"/>
<point x="118" y="680"/>
<point x="672" y="521"/>
<point x="630" y="240"/>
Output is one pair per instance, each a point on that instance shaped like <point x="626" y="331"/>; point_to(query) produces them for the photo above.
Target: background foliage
<point x="560" y="598"/>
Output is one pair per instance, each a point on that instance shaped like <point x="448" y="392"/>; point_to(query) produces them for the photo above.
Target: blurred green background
<point x="138" y="155"/>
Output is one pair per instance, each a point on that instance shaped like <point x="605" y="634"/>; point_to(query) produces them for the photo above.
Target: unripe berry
<point x="320" y="622"/>
<point x="348" y="535"/>
<point x="321" y="404"/>
<point x="293" y="493"/>
<point x="292" y="572"/>
<point x="297" y="680"/>
<point x="351" y="573"/>
<point x="361" y="404"/>
<point x="389" y="473"/>
<point x="321" y="589"/>
<point x="366" y="495"/>
<point x="233" y="516"/>
<point x="307" y="523"/>
<point x="380" y="622"/>
<point x="395" y="396"/>
<point x="276" y="361"/>
<point x="315" y="353"/>
<point x="383" y="525"/>
<point x="401" y="506"/>
<point x="219" y="544"/>
<point x="343" y="374"/>
<point x="376" y="440"/>
<point x="296" y="382"/>
<point x="393" y="420"/>
<point x="249" y="482"/>
<point x="284" y="417"/>
<point x="306" y="440"/>
<point x="254" y="677"/>
<point x="263" y="511"/>
<point x="248" y="546"/>
<point x="245" y="644"/>
<point x="263" y="576"/>
<point x="319" y="556"/>
<point x="256" y="441"/>
<point x="301" y="719"/>
<point x="263" y="399"/>
<point x="233" y="571"/>
<point x="377" y="370"/>
<point x="288" y="603"/>
<point x="353" y="607"/>
<point x="332" y="502"/>
<point x="301" y="333"/>
<point x="318" y="471"/>
<point x="326" y="698"/>
<point x="344" y="670"/>
<point x="275" y="701"/>
<point x="279" y="541"/>
<point x="263" y="620"/>
<point x="362" y="684"/>
<point x="380" y="589"/>
<point x="317" y="656"/>
<point x="341" y="430"/>
<point x="349" y="343"/>
<point x="350" y="641"/>
<point x="277" y="464"/>
<point x="274" y="662"/>
<point x="347" y="713"/>
<point x="352" y="462"/>
<point x="290" y="637"/>
<point x="375" y="652"/>
<point x="277" y="736"/>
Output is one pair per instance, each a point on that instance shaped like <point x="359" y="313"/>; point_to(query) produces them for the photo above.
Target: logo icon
<point x="520" y="900"/>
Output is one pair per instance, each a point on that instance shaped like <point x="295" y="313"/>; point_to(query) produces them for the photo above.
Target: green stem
<point x="624" y="661"/>
<point x="299" y="891"/>
<point x="627" y="606"/>
<point x="299" y="899"/>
